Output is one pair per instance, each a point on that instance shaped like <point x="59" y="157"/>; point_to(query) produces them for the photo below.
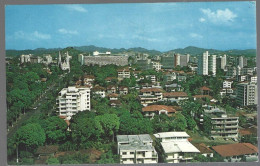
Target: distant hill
<point x="92" y="48"/>
<point x="187" y="50"/>
<point x="198" y="51"/>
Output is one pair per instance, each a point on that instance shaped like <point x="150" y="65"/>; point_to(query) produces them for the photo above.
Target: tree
<point x="108" y="158"/>
<point x="110" y="124"/>
<point x="207" y="125"/>
<point x="179" y="122"/>
<point x="30" y="136"/>
<point x="55" y="129"/>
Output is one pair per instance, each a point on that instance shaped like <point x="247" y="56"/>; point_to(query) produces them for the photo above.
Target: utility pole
<point x="17" y="160"/>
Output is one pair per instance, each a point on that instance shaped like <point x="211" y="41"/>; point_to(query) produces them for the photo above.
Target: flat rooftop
<point x="134" y="138"/>
<point x="179" y="146"/>
<point x="171" y="134"/>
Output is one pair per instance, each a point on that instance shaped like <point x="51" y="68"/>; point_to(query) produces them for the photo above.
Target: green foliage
<point x="30" y="136"/>
<point x="110" y="124"/>
<point x="134" y="124"/>
<point x="249" y="139"/>
<point x="108" y="158"/>
<point x="55" y="129"/>
<point x="52" y="161"/>
<point x="76" y="158"/>
<point x="179" y="122"/>
<point x="200" y="158"/>
<point x="207" y="125"/>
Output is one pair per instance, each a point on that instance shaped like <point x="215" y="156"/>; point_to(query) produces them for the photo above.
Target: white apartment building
<point x="203" y="64"/>
<point x="213" y="64"/>
<point x="25" y="58"/>
<point x="136" y="149"/>
<point x="207" y="63"/>
<point x="246" y="94"/>
<point x="223" y="62"/>
<point x="157" y="66"/>
<point x="177" y="147"/>
<point x="71" y="100"/>
<point x="253" y="79"/>
<point x="227" y="84"/>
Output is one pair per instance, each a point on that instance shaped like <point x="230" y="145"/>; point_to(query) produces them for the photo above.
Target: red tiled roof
<point x="122" y="87"/>
<point x="235" y="149"/>
<point x="125" y="69"/>
<point x="203" y="148"/>
<point x="110" y="78"/>
<point x="113" y="95"/>
<point x="89" y="76"/>
<point x="111" y="87"/>
<point x="98" y="88"/>
<point x="202" y="96"/>
<point x="204" y="88"/>
<point x="158" y="108"/>
<point x="175" y="94"/>
<point x="151" y="90"/>
<point x="114" y="102"/>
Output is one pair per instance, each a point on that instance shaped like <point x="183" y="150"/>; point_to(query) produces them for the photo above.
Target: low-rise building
<point x="123" y="90"/>
<point x="152" y="110"/>
<point x="235" y="152"/>
<point x="227" y="84"/>
<point x="136" y="149"/>
<point x="99" y="90"/>
<point x="157" y="65"/>
<point x="176" y="147"/>
<point x="123" y="73"/>
<point x="111" y="89"/>
<point x="175" y="96"/>
<point x="204" y="149"/>
<point x="150" y="95"/>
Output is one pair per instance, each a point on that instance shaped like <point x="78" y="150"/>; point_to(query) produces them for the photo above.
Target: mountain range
<point x="91" y="48"/>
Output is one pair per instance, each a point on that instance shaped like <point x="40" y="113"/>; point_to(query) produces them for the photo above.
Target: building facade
<point x="246" y="94"/>
<point x="136" y="149"/>
<point x="71" y="100"/>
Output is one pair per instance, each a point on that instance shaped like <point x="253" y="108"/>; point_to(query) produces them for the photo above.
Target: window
<point x="124" y="153"/>
<point x="131" y="152"/>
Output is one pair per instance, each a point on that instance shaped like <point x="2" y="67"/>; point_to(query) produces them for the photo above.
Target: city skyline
<point x="159" y="26"/>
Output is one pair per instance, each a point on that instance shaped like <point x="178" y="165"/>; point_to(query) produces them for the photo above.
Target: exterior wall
<point x="167" y="62"/>
<point x="246" y="94"/>
<point x="224" y="127"/>
<point x="227" y="84"/>
<point x="71" y="100"/>
<point x="203" y="64"/>
<point x="106" y="60"/>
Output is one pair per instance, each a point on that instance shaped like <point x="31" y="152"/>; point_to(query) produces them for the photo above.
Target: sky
<point x="159" y="26"/>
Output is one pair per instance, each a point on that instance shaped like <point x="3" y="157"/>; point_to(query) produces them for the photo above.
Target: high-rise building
<point x="241" y="62"/>
<point x="203" y="64"/>
<point x="167" y="62"/>
<point x="207" y="63"/>
<point x="71" y="100"/>
<point x="246" y="94"/>
<point x="181" y="60"/>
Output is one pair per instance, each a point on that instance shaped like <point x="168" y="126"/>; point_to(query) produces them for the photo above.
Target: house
<point x="204" y="149"/>
<point x="109" y="79"/>
<point x="115" y="103"/>
<point x="88" y="79"/>
<point x="113" y="96"/>
<point x="123" y="73"/>
<point x="99" y="90"/>
<point x="176" y="147"/>
<point x="151" y="110"/>
<point x="150" y="95"/>
<point x="169" y="77"/>
<point x="123" y="90"/>
<point x="235" y="152"/>
<point x="136" y="149"/>
<point x="111" y="89"/>
<point x="175" y="96"/>
<point x="173" y="87"/>
<point x="204" y="90"/>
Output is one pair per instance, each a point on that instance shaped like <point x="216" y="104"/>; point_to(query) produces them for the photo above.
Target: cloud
<point x="65" y="31"/>
<point x="219" y="16"/>
<point x="77" y="8"/>
<point x="202" y="19"/>
<point x="30" y="36"/>
<point x="146" y="38"/>
<point x="195" y="35"/>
